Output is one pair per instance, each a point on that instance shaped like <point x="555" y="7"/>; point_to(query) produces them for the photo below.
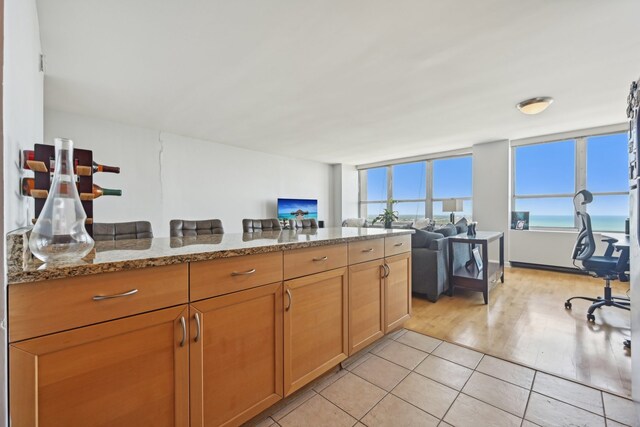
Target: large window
<point x="418" y="188"/>
<point x="547" y="175"/>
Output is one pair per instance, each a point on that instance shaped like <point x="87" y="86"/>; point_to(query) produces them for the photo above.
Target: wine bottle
<point x="104" y="168"/>
<point x="28" y="156"/>
<point x="99" y="191"/>
<point x="28" y="189"/>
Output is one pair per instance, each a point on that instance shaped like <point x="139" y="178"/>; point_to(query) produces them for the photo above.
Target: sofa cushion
<point x="423" y="239"/>
<point x="447" y="230"/>
<point x="354" y="222"/>
<point x="462" y="225"/>
<point x="421" y="223"/>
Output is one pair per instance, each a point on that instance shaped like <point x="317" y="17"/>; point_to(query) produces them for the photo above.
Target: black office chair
<point x="607" y="267"/>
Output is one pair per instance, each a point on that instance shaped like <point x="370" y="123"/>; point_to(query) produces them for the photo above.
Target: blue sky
<point x="549" y="169"/>
<point x="540" y="169"/>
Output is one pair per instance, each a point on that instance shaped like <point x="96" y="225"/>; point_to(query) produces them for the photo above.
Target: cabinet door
<point x="127" y="372"/>
<point x="315" y="326"/>
<point x="366" y="304"/>
<point x="397" y="291"/>
<point x="236" y="356"/>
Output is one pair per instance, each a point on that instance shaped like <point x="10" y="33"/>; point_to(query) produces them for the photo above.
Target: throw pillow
<point x="421" y="223"/>
<point x="462" y="225"/>
<point x="447" y="230"/>
<point x="354" y="222"/>
<point x="423" y="239"/>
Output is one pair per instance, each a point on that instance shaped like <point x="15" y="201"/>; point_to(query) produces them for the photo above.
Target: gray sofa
<point x="430" y="260"/>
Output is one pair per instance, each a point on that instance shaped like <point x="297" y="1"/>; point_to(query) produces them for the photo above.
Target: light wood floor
<point x="526" y="322"/>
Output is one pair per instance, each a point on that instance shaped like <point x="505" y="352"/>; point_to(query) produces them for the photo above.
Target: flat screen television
<point x="297" y="209"/>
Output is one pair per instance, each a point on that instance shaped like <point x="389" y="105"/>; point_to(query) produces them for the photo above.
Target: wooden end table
<point x="469" y="277"/>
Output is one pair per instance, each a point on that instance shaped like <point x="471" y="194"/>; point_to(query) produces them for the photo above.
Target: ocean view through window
<point x="547" y="175"/>
<point x="417" y="189"/>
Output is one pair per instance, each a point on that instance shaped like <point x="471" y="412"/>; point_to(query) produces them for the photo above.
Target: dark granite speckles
<point x="129" y="254"/>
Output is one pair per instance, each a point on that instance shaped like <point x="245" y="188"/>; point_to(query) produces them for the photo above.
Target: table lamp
<point x="452" y="205"/>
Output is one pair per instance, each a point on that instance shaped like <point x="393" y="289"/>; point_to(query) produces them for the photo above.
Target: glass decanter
<point x="59" y="233"/>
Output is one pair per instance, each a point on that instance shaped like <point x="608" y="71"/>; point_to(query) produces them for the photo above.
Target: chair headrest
<point x="582" y="197"/>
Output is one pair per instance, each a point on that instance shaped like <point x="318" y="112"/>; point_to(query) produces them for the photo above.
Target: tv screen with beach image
<point x="297" y="209"/>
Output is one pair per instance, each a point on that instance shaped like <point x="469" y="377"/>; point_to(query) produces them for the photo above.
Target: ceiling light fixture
<point x="535" y="105"/>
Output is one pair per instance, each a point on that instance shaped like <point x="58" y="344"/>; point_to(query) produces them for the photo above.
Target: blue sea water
<point x="598" y="222"/>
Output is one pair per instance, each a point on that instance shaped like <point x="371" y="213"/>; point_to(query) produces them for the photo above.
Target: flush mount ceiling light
<point x="535" y="105"/>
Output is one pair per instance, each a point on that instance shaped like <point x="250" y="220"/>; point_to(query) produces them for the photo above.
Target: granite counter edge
<point x="17" y="275"/>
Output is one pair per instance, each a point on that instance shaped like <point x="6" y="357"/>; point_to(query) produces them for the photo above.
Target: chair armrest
<point x="438" y="244"/>
<point x="610" y="248"/>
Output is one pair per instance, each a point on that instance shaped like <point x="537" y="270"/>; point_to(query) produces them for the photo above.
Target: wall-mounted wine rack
<point x="42" y="166"/>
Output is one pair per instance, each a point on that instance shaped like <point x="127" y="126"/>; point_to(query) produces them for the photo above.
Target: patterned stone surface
<point x="130" y="254"/>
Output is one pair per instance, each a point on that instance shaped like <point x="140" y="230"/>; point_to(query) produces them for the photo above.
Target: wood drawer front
<point x="45" y="307"/>
<point x="366" y="250"/>
<point x="397" y="244"/>
<point x="301" y="262"/>
<point x="226" y="275"/>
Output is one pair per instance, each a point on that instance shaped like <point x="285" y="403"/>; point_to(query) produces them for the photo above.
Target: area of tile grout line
<point x="502" y="374"/>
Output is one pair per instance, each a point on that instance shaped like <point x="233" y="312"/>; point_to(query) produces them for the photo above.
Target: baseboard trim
<point x="548" y="268"/>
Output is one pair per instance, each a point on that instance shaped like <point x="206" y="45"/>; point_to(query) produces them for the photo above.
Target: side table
<point x="469" y="277"/>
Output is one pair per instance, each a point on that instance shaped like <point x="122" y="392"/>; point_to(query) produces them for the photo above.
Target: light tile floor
<point x="409" y="379"/>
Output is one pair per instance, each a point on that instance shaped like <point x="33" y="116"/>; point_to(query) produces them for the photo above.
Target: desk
<point x="469" y="277"/>
<point x="623" y="244"/>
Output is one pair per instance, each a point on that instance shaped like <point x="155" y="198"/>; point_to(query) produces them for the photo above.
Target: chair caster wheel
<point x="567" y="305"/>
<point x="591" y="318"/>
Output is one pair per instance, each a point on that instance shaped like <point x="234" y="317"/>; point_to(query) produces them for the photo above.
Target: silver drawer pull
<point x="368" y="250"/>
<point x="290" y="300"/>
<point x="125" y="294"/>
<point x="197" y="337"/>
<point x="184" y="331"/>
<point x="322" y="258"/>
<point x="399" y="244"/>
<point x="243" y="273"/>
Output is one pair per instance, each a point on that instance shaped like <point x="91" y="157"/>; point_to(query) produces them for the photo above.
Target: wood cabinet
<point x="209" y="343"/>
<point x="236" y="356"/>
<point x="397" y="292"/>
<point x="56" y="305"/>
<point x="365" y="250"/>
<point x="128" y="372"/>
<point x="366" y="304"/>
<point x="302" y="262"/>
<point x="225" y="275"/>
<point x="315" y="326"/>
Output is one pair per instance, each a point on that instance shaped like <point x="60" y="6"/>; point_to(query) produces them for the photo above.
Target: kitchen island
<point x="209" y="330"/>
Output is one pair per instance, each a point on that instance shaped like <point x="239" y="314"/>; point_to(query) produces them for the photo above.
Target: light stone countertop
<point x="130" y="254"/>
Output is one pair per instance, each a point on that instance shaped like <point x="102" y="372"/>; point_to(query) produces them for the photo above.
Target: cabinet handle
<point x="184" y="331"/>
<point x="197" y="337"/>
<point x="290" y="300"/>
<point x="399" y="244"/>
<point x="368" y="250"/>
<point x="387" y="270"/>
<point x="125" y="294"/>
<point x="322" y="258"/>
<point x="384" y="271"/>
<point x="243" y="273"/>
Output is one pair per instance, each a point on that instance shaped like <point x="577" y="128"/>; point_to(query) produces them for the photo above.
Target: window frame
<point x="428" y="200"/>
<point x="580" y="171"/>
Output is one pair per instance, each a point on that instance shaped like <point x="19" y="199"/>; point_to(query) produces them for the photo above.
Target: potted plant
<point x="387" y="216"/>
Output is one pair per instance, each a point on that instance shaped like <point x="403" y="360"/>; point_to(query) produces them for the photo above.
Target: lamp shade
<point x="452" y="205"/>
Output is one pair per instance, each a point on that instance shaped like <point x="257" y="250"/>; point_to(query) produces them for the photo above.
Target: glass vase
<point x="60" y="233"/>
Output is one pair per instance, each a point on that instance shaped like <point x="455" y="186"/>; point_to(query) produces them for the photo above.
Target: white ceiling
<point x="342" y="81"/>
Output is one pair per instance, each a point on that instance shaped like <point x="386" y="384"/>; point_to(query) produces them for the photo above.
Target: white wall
<point x="22" y="126"/>
<point x="165" y="176"/>
<point x="491" y="172"/>
<point x="22" y="101"/>
<point x="345" y="192"/>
